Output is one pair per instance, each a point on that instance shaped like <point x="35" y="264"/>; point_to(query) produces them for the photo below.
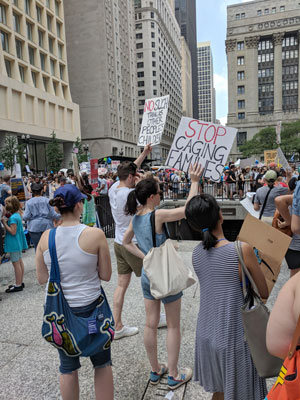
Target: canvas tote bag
<point x="166" y="271"/>
<point x="255" y="316"/>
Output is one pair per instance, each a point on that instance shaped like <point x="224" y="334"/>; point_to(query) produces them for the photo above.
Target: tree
<point x="9" y="152"/>
<point x="81" y="155"/>
<point x="55" y="155"/>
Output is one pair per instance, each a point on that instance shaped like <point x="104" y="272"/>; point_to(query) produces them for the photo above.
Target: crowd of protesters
<point x="134" y="194"/>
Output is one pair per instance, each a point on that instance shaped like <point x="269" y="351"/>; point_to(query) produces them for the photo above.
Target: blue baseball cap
<point x="70" y="193"/>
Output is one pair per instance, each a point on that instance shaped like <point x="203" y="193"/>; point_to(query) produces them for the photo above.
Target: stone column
<point x="251" y="75"/>
<point x="232" y="78"/>
<point x="277" y="41"/>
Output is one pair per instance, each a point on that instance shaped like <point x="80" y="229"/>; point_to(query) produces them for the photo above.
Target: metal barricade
<point x="105" y="216"/>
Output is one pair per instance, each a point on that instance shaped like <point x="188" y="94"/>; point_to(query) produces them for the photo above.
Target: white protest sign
<point x="201" y="142"/>
<point x="114" y="165"/>
<point x="154" y="119"/>
<point x="280" y="160"/>
<point x="85" y="167"/>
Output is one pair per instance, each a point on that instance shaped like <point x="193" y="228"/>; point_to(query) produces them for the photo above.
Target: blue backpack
<point x="76" y="336"/>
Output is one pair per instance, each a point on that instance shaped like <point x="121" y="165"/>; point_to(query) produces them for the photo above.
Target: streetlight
<point x="86" y="149"/>
<point x="26" y="138"/>
<point x="121" y="152"/>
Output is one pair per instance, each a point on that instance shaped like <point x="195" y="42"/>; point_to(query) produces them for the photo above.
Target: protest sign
<point x="280" y="160"/>
<point x="201" y="142"/>
<point x="17" y="188"/>
<point x="270" y="156"/>
<point x="114" y="165"/>
<point x="270" y="243"/>
<point x="94" y="173"/>
<point x="247" y="204"/>
<point x="154" y="119"/>
<point x="85" y="167"/>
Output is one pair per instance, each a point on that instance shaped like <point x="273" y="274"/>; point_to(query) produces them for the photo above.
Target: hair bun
<point x="57" y="202"/>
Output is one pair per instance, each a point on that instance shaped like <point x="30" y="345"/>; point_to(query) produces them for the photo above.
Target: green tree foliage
<point x="266" y="140"/>
<point x="55" y="155"/>
<point x="9" y="151"/>
<point x="81" y="155"/>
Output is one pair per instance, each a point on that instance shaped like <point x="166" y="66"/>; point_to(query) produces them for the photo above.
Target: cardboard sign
<point x="154" y="119"/>
<point x="280" y="160"/>
<point x="201" y="142"/>
<point x="94" y="173"/>
<point x="271" y="244"/>
<point x="270" y="156"/>
<point x="114" y="165"/>
<point x="17" y="188"/>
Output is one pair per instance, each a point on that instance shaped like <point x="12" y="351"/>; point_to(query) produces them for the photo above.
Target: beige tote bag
<point x="166" y="271"/>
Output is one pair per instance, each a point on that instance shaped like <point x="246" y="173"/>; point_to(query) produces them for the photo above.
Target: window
<point x="48" y="3"/>
<point x="241" y="90"/>
<point x="57" y="8"/>
<point x="282" y="8"/>
<point x="266" y="11"/>
<point x="54" y="87"/>
<point x="16" y="22"/>
<point x="39" y="14"/>
<point x="31" y="55"/>
<point x="237" y="16"/>
<point x="58" y="29"/>
<point x="45" y="82"/>
<point x="259" y="13"/>
<point x="141" y="111"/>
<point x="140" y="74"/>
<point x="153" y="73"/>
<point x="33" y="75"/>
<point x="241" y="104"/>
<point x="41" y="38"/>
<point x="273" y="10"/>
<point x="152" y="25"/>
<point x="4" y="41"/>
<point x="139" y="55"/>
<point x="154" y="83"/>
<point x="139" y="26"/>
<point x="152" y="14"/>
<point x="141" y="93"/>
<point x="243" y="15"/>
<point x="16" y="3"/>
<point x="153" y="63"/>
<point x="241" y="138"/>
<point x="240" y="45"/>
<point x="241" y="75"/>
<point x="27" y="6"/>
<point x="141" y="83"/>
<point x="51" y="41"/>
<point x="61" y="71"/>
<point x="19" y="49"/>
<point x="139" y="36"/>
<point x="140" y="65"/>
<point x="60" y="51"/>
<point x="139" y="45"/>
<point x="153" y="45"/>
<point x="241" y="115"/>
<point x="153" y="54"/>
<point x="2" y="14"/>
<point x="152" y="35"/>
<point x="29" y="30"/>
<point x="241" y="60"/>
<point x="49" y="22"/>
<point x="22" y="73"/>
<point x="43" y="61"/>
<point x="155" y="92"/>
<point x="52" y="66"/>
<point x="8" y="68"/>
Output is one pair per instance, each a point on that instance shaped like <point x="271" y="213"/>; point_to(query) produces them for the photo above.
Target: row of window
<point x="290" y="41"/>
<point x="286" y="55"/>
<point x="290" y="70"/>
<point x="28" y="5"/>
<point x="267" y="11"/>
<point x="290" y="85"/>
<point x="267" y="88"/>
<point x="265" y="72"/>
<point x="266" y="57"/>
<point x="265" y="44"/>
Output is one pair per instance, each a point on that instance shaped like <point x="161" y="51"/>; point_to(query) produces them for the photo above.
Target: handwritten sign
<point x="201" y="142"/>
<point x="114" y="165"/>
<point x="154" y="119"/>
<point x="270" y="156"/>
<point x="17" y="188"/>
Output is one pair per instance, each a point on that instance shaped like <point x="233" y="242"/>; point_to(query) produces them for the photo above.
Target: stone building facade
<point x="158" y="58"/>
<point x="35" y="96"/>
<point x="102" y="67"/>
<point x="263" y="65"/>
<point x="186" y="79"/>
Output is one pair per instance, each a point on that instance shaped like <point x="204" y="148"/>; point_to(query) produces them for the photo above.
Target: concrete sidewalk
<point x="29" y="366"/>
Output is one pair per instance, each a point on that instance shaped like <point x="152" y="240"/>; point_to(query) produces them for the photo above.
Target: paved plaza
<point x="29" y="366"/>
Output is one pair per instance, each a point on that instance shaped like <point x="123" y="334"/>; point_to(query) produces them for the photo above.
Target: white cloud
<point x="223" y="120"/>
<point x="220" y="83"/>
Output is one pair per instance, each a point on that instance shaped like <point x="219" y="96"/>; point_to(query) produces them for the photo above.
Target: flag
<point x="292" y="158"/>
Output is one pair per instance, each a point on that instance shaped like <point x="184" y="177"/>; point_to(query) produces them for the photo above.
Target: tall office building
<point x="263" y="65"/>
<point x="186" y="79"/>
<point x="35" y="97"/>
<point x="159" y="64"/>
<point x="185" y="11"/>
<point x="102" y="69"/>
<point x="206" y="90"/>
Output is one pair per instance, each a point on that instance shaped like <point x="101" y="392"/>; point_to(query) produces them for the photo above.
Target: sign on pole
<point x="154" y="119"/>
<point x="278" y="132"/>
<point x="85" y="167"/>
<point x="201" y="142"/>
<point x="114" y="165"/>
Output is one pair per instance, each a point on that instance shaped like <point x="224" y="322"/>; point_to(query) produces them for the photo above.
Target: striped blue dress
<point x="222" y="358"/>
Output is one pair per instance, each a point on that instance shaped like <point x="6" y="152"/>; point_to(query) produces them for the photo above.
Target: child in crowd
<point x="15" y="240"/>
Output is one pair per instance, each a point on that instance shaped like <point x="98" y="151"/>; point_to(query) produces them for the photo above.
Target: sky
<point x="211" y="26"/>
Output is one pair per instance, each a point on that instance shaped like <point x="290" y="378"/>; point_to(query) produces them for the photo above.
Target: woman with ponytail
<point x="223" y="363"/>
<point x="143" y="201"/>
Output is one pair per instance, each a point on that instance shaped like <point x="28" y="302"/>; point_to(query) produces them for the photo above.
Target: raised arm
<point x="147" y="150"/>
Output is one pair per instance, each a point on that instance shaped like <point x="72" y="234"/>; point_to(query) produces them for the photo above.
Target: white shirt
<point x="102" y="182"/>
<point x="118" y="199"/>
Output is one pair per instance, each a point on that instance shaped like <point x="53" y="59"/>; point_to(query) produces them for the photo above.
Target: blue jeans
<point x="99" y="360"/>
<point x="35" y="238"/>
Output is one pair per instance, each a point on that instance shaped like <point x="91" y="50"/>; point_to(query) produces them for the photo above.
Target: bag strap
<point x="152" y="220"/>
<point x="54" y="273"/>
<point x="244" y="270"/>
<point x="295" y="340"/>
<point x="265" y="202"/>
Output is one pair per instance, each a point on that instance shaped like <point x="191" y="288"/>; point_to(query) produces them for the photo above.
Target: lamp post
<point x="86" y="150"/>
<point x="121" y="152"/>
<point x="26" y="139"/>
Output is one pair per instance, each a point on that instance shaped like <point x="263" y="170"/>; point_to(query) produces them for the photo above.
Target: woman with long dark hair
<point x="223" y="363"/>
<point x="141" y="203"/>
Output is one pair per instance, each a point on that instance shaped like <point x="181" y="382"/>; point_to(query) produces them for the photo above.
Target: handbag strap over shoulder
<point x="295" y="340"/>
<point x="152" y="221"/>
<point x="244" y="270"/>
<point x="54" y="273"/>
<point x="265" y="202"/>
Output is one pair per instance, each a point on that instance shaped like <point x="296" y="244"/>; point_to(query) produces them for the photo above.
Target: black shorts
<point x="292" y="258"/>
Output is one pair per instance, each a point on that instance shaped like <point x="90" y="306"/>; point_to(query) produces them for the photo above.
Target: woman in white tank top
<point x="84" y="260"/>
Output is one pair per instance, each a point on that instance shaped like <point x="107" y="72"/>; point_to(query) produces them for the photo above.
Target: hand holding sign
<point x="201" y="142"/>
<point x="196" y="172"/>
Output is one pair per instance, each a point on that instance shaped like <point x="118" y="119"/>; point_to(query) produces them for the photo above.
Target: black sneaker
<point x="13" y="289"/>
<point x="23" y="285"/>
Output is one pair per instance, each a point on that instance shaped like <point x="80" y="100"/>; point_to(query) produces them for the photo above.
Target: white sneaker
<point x="162" y="321"/>
<point x="125" y="332"/>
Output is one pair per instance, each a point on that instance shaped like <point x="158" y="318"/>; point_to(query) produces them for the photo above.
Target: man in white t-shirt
<point x="126" y="262"/>
<point x="102" y="184"/>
